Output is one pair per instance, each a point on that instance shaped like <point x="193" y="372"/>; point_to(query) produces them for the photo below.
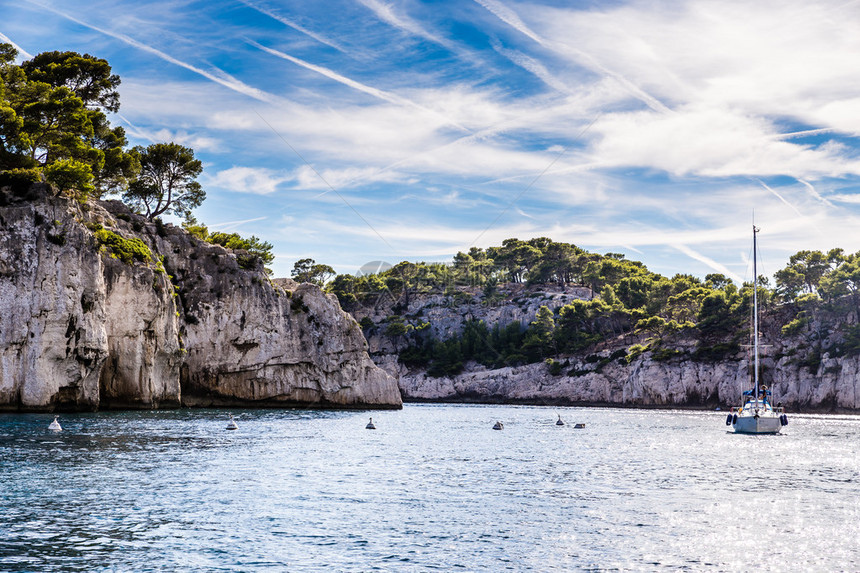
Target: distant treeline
<point x="627" y="298"/>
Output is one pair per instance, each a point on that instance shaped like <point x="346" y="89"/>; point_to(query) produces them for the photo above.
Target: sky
<point x="350" y="131"/>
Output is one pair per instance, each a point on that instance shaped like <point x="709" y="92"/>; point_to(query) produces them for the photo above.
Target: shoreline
<point x="445" y="402"/>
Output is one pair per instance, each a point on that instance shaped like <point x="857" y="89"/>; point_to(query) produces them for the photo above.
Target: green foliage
<point x="851" y="342"/>
<point x="19" y="180"/>
<point x="195" y="228"/>
<point x="52" y="109"/>
<point x="257" y="251"/>
<point x="126" y="250"/>
<point x="805" y="270"/>
<point x="634" y="352"/>
<point x="308" y="271"/>
<point x="71" y="175"/>
<point x="797" y="324"/>
<point x="663" y="354"/>
<point x="167" y="181"/>
<point x="554" y="367"/>
<point x="715" y="352"/>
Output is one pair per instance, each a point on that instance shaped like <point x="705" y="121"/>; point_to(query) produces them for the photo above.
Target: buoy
<point x="370" y="425"/>
<point x="498" y="426"/>
<point x="55" y="425"/>
<point x="231" y="425"/>
<point x="579" y="426"/>
<point x="559" y="422"/>
<point x="729" y="420"/>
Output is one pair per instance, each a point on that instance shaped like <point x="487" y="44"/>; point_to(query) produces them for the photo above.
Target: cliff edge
<point x="106" y="309"/>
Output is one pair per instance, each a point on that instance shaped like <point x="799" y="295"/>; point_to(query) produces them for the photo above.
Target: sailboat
<point x="757" y="415"/>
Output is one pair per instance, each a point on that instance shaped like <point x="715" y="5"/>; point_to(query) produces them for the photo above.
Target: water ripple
<point x="433" y="488"/>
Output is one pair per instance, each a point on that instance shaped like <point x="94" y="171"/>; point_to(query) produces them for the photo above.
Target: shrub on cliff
<point x="126" y="250"/>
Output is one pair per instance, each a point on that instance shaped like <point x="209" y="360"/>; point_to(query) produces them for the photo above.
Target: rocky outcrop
<point x="670" y="375"/>
<point x="646" y="382"/>
<point x="82" y="329"/>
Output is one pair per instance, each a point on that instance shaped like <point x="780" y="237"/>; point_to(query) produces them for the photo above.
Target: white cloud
<point x="248" y="180"/>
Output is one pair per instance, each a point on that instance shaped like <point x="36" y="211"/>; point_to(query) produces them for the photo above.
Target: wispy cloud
<point x="532" y="66"/>
<point x="386" y="13"/>
<point x="509" y="17"/>
<point x="215" y="75"/>
<point x="249" y="180"/>
<point x="332" y="75"/>
<point x="291" y="24"/>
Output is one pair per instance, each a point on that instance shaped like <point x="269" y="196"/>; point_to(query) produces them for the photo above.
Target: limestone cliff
<point x="673" y="374"/>
<point x="82" y="329"/>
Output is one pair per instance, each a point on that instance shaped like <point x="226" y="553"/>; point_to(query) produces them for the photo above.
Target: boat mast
<point x="755" y="312"/>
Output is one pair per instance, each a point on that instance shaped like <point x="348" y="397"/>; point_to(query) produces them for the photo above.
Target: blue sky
<point x="357" y="130"/>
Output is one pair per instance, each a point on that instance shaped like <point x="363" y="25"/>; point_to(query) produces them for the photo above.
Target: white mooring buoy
<point x="231" y="425"/>
<point x="55" y="425"/>
<point x="370" y="425"/>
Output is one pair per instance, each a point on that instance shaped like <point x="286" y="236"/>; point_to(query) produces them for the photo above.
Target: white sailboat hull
<point x="767" y="423"/>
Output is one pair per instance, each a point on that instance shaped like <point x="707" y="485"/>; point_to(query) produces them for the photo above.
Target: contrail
<point x="386" y="14"/>
<point x="532" y="66"/>
<point x="709" y="262"/>
<point x="230" y="225"/>
<point x="293" y="25"/>
<point x="377" y="93"/>
<point x="221" y="77"/>
<point x="21" y="51"/>
<point x="815" y="193"/>
<point x="510" y="18"/>
<point x="804" y="133"/>
<point x="140" y="133"/>
<point x="780" y="197"/>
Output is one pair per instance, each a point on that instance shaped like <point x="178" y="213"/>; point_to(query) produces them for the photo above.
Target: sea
<point x="432" y="488"/>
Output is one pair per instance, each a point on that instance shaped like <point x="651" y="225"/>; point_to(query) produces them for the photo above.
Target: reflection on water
<point x="433" y="488"/>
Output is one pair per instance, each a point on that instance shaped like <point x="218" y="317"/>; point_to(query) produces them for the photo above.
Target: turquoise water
<point x="432" y="488"/>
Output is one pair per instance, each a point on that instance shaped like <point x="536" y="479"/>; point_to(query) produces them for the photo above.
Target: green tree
<point x="257" y="251"/>
<point x="805" y="270"/>
<point x="52" y="110"/>
<point x="89" y="77"/>
<point x="343" y="287"/>
<point x="845" y="279"/>
<point x="167" y="181"/>
<point x="309" y="271"/>
<point x="540" y="337"/>
<point x="71" y="175"/>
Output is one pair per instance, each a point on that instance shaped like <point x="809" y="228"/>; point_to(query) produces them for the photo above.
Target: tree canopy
<point x="167" y="181"/>
<point x="53" y="122"/>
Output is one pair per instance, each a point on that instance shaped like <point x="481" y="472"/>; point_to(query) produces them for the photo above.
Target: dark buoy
<point x="559" y="422"/>
<point x="729" y="420"/>
<point x="231" y="425"/>
<point x="498" y="426"/>
<point x="370" y="425"/>
<point x="735" y="419"/>
<point x="783" y="420"/>
<point x="579" y="426"/>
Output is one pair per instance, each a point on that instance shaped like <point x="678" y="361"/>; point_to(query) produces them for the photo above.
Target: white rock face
<point x="833" y="385"/>
<point x="81" y="330"/>
<point x="645" y="382"/>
